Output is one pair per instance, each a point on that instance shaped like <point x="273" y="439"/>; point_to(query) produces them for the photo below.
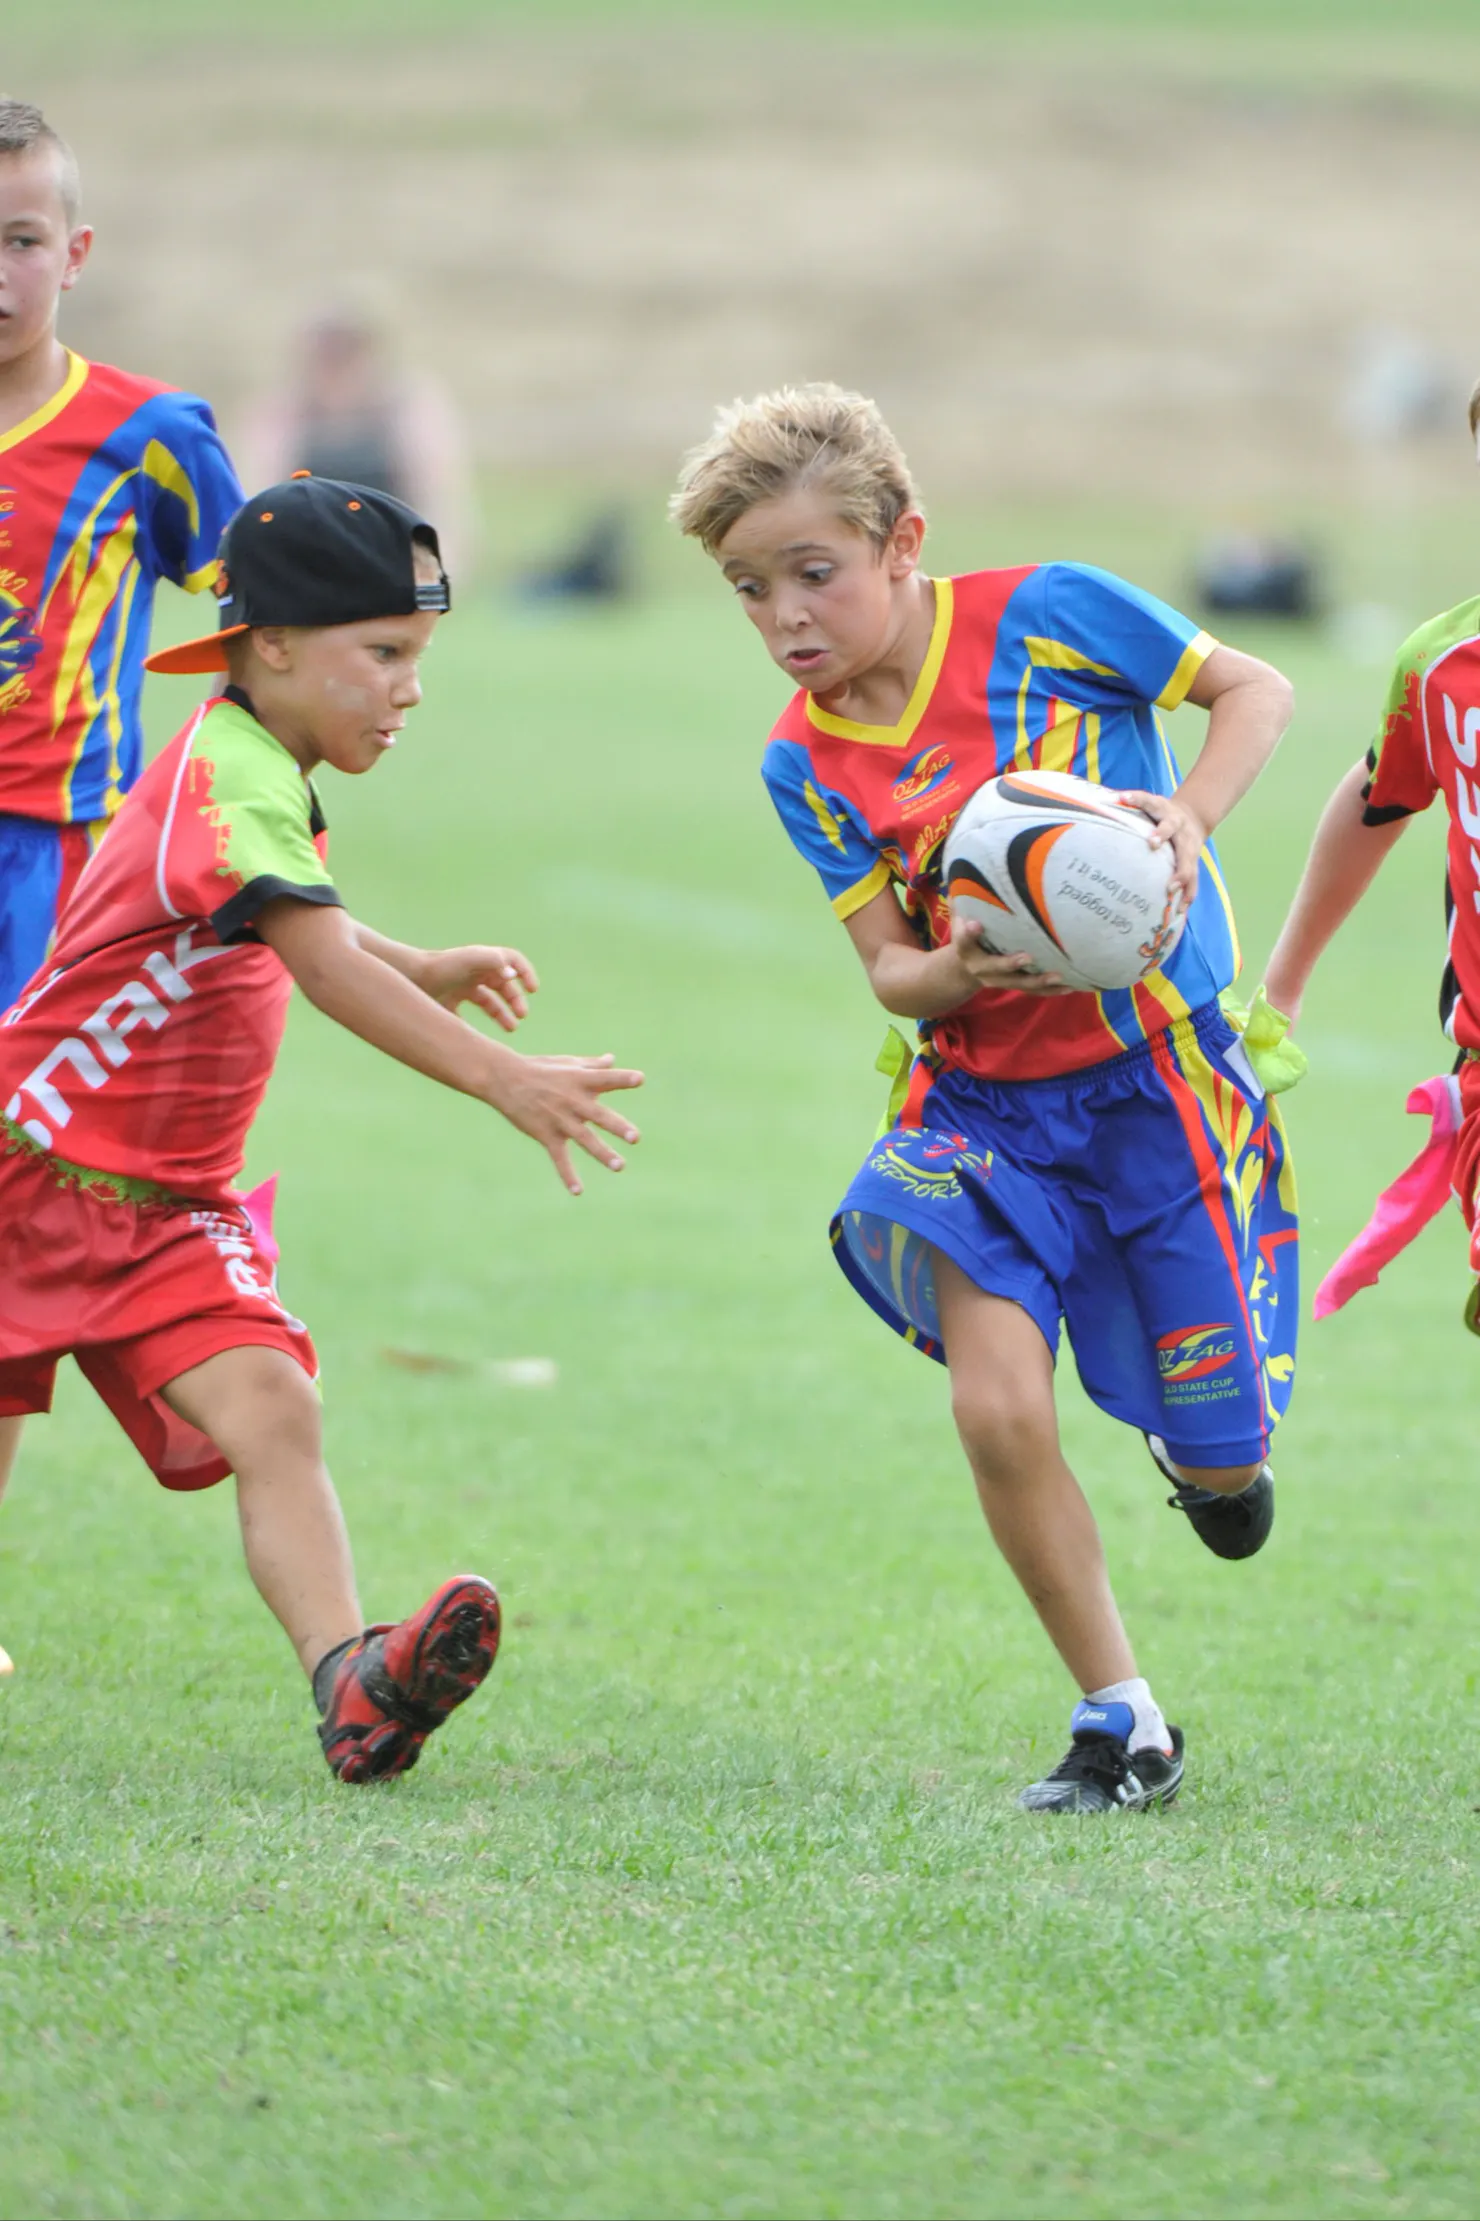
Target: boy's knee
<point x="255" y="1401"/>
<point x="1005" y="1424"/>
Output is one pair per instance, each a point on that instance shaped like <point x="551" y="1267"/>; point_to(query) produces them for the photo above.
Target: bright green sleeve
<point x="1401" y="777"/>
<point x="245" y="827"/>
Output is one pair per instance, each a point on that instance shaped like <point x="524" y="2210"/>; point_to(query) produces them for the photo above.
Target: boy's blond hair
<point x="815" y="436"/>
<point x="23" y="128"/>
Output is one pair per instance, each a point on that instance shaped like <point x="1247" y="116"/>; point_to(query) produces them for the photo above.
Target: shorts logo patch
<point x="1193" y="1352"/>
<point x="229" y="1238"/>
<point x="932" y="1166"/>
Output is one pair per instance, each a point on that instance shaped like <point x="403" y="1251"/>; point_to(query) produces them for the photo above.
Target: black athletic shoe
<point x="1231" y="1526"/>
<point x="1100" y="1773"/>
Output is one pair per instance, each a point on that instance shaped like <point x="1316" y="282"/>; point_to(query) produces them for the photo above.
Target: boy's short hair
<point x="23" y="127"/>
<point x="816" y="436"/>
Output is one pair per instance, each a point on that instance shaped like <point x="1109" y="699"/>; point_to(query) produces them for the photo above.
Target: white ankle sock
<point x="1149" y="1725"/>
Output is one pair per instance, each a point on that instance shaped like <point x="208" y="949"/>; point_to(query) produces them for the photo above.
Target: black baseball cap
<point x="313" y="551"/>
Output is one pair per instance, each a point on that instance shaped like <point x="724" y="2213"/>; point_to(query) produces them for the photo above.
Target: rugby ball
<point x="1056" y="869"/>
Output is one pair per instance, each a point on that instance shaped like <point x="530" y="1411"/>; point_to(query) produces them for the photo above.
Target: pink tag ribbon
<point x="258" y="1204"/>
<point x="1403" y="1210"/>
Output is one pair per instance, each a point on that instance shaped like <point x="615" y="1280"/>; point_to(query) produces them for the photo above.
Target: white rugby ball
<point x="1056" y="869"/>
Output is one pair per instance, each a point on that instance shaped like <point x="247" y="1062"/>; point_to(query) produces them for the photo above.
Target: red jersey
<point x="113" y="484"/>
<point x="144" y="1047"/>
<point x="1057" y="667"/>
<point x="1429" y="745"/>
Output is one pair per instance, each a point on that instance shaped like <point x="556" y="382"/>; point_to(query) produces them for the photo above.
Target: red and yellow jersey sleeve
<point x="1115" y="642"/>
<point x="114" y="484"/>
<point x="825" y="827"/>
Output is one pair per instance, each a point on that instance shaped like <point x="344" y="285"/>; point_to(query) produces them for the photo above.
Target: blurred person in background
<point x="108" y="483"/>
<point x="348" y="411"/>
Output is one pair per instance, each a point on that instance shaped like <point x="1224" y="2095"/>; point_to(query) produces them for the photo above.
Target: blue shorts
<point x="1148" y="1203"/>
<point x="40" y="864"/>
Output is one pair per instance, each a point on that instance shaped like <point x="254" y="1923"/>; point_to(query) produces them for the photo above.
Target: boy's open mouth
<point x="804" y="658"/>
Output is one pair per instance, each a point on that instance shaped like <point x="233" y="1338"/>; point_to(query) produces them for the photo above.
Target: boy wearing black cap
<point x="134" y="1062"/>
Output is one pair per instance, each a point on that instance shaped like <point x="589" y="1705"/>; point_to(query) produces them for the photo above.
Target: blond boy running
<point x="1105" y="1161"/>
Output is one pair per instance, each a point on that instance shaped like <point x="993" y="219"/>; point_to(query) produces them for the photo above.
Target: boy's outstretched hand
<point x="397" y="999"/>
<point x="495" y="979"/>
<point x="557" y="1101"/>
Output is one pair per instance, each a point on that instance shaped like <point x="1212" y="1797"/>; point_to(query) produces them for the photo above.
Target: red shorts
<point x="137" y="1293"/>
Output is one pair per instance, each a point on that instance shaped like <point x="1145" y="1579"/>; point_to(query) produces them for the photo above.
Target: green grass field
<point x="716" y="1901"/>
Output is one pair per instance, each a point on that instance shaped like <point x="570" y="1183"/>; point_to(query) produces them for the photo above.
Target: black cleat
<point x="1100" y="1773"/>
<point x="1231" y="1526"/>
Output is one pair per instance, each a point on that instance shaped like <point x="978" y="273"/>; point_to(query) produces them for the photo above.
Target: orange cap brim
<point x="208" y="654"/>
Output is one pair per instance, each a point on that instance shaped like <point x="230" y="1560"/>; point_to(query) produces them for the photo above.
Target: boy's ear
<point x="79" y="246"/>
<point x="905" y="544"/>
<point x="274" y="644"/>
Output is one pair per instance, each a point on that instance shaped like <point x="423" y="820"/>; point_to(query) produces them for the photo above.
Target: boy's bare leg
<point x="10" y="1442"/>
<point x="10" y="1439"/>
<point x="1002" y="1397"/>
<point x="263" y="1413"/>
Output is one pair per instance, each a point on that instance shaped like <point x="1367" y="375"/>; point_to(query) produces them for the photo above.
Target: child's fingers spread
<point x="489" y="999"/>
<point x="560" y="1158"/>
<point x="614" y="1121"/>
<point x="595" y="1147"/>
<point x="620" y="1079"/>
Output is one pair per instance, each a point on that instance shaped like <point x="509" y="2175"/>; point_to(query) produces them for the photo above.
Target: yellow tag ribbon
<point x="1276" y="1062"/>
<point x="894" y="1061"/>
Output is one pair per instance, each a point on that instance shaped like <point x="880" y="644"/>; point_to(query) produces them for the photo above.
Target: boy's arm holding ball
<point x="1250" y="704"/>
<point x="555" y="1100"/>
<point x="916" y="982"/>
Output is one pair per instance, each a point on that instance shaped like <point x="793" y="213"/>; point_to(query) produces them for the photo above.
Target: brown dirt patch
<point x="1057" y="270"/>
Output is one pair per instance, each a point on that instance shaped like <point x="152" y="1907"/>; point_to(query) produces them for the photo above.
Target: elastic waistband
<point x="107" y="1187"/>
<point x="1198" y="1023"/>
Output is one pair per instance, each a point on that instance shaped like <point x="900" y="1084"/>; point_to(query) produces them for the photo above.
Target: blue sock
<point x="1127" y="1710"/>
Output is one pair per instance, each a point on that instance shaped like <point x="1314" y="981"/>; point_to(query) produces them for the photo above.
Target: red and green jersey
<point x="1058" y="667"/>
<point x="1429" y="744"/>
<point x="113" y="484"/>
<point x="145" y="1045"/>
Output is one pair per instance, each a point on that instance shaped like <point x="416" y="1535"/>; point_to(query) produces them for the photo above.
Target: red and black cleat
<point x="394" y="1684"/>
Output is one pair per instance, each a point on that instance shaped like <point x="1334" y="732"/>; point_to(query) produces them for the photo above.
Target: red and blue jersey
<point x="113" y="484"/>
<point x="1058" y="667"/>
